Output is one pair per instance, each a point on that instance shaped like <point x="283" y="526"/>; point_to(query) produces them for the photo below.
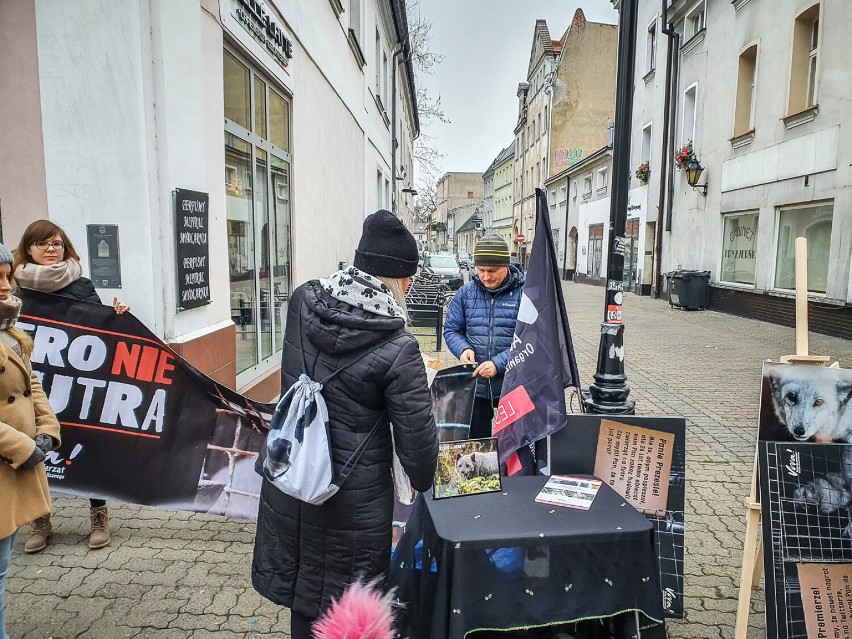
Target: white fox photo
<point x="810" y="404"/>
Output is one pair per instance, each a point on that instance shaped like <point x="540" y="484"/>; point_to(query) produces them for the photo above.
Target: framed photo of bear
<point x="467" y="467"/>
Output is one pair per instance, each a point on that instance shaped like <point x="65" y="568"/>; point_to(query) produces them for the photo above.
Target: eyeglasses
<point x="43" y="246"/>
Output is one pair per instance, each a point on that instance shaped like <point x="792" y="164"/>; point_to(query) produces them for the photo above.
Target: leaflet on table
<point x="573" y="492"/>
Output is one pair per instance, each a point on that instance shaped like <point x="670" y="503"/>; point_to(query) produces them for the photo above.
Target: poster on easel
<point x="644" y="460"/>
<point x="805" y="481"/>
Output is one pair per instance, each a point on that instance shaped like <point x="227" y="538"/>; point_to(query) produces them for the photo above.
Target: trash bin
<point x="688" y="289"/>
<point x="666" y="285"/>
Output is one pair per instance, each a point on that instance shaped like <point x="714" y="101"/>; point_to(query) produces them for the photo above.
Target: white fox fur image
<point x="810" y="403"/>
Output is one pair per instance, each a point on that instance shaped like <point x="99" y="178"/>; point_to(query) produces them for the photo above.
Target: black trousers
<point x="483" y="417"/>
<point x="300" y="626"/>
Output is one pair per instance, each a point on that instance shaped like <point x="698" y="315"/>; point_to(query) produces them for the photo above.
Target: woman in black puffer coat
<point x="304" y="555"/>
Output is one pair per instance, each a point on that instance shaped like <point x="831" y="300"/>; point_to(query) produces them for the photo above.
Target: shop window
<point x="744" y="113"/>
<point x="595" y="250"/>
<point x="811" y="222"/>
<point x="804" y="61"/>
<point x="237" y="91"/>
<point x="257" y="206"/>
<point x="259" y="107"/>
<point x="739" y="248"/>
<point x="279" y="121"/>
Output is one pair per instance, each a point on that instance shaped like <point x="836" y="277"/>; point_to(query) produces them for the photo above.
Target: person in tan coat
<point x="28" y="430"/>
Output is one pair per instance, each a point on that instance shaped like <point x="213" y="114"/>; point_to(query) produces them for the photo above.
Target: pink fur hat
<point x="362" y="613"/>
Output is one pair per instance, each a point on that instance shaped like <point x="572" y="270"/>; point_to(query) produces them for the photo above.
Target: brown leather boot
<point x="42" y="529"/>
<point x="99" y="536"/>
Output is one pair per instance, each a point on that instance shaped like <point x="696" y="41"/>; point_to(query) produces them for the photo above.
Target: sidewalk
<point x="185" y="575"/>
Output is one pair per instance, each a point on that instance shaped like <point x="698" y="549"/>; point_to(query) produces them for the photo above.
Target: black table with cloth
<point x="501" y="561"/>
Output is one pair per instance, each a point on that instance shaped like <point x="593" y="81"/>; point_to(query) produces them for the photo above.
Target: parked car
<point x="465" y="260"/>
<point x="446" y="267"/>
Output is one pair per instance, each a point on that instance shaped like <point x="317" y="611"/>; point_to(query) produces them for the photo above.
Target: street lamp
<point x="412" y="191"/>
<point x="609" y="395"/>
<point x="693" y="174"/>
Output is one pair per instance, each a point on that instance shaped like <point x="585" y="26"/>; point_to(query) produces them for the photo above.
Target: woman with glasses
<point x="46" y="261"/>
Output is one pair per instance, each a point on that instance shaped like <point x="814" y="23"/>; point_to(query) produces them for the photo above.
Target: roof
<point x="501" y="157"/>
<point x="470" y="224"/>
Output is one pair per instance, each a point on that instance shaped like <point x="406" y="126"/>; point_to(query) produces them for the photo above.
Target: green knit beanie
<point x="491" y="250"/>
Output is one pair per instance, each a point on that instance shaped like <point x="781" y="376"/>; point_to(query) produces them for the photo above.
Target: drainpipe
<point x="396" y="54"/>
<point x="666" y="182"/>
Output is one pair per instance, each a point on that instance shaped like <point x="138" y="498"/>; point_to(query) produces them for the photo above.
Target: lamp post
<point x="693" y="174"/>
<point x="609" y="394"/>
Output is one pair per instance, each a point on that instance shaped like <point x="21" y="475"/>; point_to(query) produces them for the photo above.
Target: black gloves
<point x="44" y="442"/>
<point x="35" y="459"/>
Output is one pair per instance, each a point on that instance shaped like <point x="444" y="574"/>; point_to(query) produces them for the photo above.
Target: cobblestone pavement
<point x="186" y="575"/>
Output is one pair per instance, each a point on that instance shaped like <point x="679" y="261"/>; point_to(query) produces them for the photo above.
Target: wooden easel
<point x="752" y="567"/>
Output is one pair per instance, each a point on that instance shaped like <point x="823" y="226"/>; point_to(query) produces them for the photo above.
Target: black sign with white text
<point x="193" y="248"/>
<point x="104" y="264"/>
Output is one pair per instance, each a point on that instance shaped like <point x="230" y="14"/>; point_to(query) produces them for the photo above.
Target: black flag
<point x="541" y="361"/>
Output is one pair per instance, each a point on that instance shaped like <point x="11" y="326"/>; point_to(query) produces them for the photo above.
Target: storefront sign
<point x="255" y="26"/>
<point x="739" y="246"/>
<point x="193" y="248"/>
<point x="104" y="264"/>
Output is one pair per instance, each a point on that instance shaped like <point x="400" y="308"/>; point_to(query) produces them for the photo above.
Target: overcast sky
<point x="486" y="47"/>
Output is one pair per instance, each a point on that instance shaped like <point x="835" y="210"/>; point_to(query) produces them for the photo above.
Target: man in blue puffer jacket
<point x="481" y="322"/>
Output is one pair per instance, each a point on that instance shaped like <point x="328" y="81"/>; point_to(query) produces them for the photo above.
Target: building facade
<point x="303" y="108"/>
<point x="759" y="98"/>
<point x="504" y="198"/>
<point x="531" y="137"/>
<point x="459" y="193"/>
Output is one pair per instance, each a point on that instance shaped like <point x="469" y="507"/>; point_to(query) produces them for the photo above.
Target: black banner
<point x="193" y="249"/>
<point x="140" y="424"/>
<point x="541" y="363"/>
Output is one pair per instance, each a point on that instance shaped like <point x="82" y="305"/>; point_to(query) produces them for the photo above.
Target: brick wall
<point x="822" y="318"/>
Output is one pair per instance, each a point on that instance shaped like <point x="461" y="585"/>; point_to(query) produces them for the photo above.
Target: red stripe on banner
<point x="94" y="330"/>
<point x="513" y="406"/>
<point x="110" y="430"/>
<point x="513" y="464"/>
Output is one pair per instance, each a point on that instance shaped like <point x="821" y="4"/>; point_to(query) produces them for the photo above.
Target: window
<point x="379" y="178"/>
<point x="814" y="223"/>
<point x="651" y="47"/>
<point x="739" y="248"/>
<point x="603" y="179"/>
<point x="744" y="111"/>
<point x="595" y="254"/>
<point x="378" y="89"/>
<point x="689" y="104"/>
<point x="545" y="118"/>
<point x="694" y="22"/>
<point x="470" y="194"/>
<point x="646" y="144"/>
<point x="805" y="61"/>
<point x="355" y="18"/>
<point x="257" y="207"/>
<point x="587" y="186"/>
<point x="385" y="81"/>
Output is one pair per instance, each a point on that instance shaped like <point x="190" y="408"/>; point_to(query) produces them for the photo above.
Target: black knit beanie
<point x="387" y="248"/>
<point x="491" y="250"/>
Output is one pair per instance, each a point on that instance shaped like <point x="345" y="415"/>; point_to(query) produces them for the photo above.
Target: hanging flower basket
<point x="684" y="155"/>
<point x="643" y="172"/>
